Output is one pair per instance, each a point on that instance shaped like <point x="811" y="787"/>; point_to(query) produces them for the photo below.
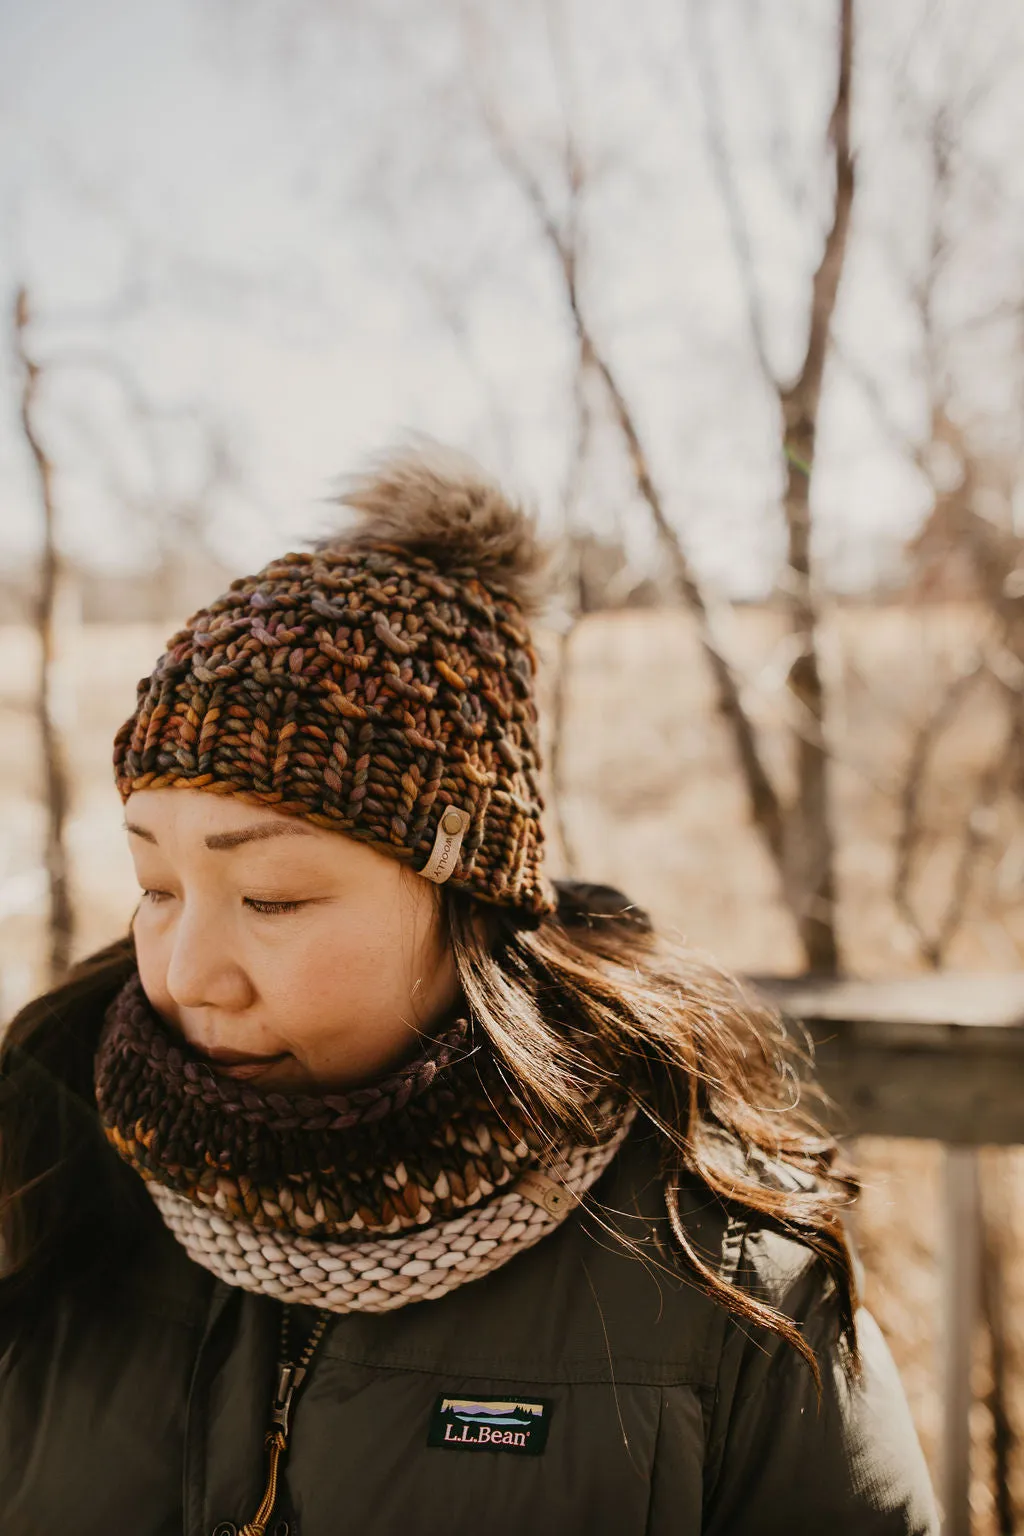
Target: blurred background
<point x="733" y="293"/>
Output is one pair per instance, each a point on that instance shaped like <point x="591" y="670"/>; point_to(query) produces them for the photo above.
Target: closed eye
<point x="264" y="908"/>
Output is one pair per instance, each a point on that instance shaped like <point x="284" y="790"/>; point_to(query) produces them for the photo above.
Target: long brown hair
<point x="590" y="994"/>
<point x="596" y="993"/>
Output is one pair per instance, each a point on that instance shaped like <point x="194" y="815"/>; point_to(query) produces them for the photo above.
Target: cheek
<point x="363" y="977"/>
<point x="361" y="962"/>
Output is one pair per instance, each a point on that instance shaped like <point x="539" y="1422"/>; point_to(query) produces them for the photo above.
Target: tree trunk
<point x="809" y="862"/>
<point x="61" y="915"/>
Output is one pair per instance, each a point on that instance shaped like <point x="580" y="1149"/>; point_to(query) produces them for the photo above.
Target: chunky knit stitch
<point x="373" y="1276"/>
<point x="390" y="1193"/>
<point x="416" y="1146"/>
<point x="370" y="684"/>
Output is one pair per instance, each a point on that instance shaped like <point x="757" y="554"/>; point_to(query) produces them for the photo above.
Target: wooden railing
<point x="942" y="1057"/>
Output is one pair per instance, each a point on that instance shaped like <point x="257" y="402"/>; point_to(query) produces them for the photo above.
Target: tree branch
<point x="762" y="797"/>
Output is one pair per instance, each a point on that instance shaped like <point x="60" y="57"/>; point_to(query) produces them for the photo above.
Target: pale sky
<point x="283" y="223"/>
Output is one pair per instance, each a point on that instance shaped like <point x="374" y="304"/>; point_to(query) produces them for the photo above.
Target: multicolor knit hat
<point x="379" y="685"/>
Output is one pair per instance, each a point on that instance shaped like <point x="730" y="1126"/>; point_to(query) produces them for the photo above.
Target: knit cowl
<point x="396" y="1191"/>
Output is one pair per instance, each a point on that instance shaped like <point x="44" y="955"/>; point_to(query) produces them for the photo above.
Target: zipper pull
<point x="289" y="1380"/>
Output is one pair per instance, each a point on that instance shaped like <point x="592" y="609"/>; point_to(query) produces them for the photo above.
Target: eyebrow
<point x="255" y="833"/>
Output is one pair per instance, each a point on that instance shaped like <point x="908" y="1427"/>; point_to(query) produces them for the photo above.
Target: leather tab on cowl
<point x="554" y="1198"/>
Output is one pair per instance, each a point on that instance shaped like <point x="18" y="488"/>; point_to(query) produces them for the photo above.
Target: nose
<point x="201" y="970"/>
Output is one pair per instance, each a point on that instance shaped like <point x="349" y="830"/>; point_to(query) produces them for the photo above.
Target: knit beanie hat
<point x="381" y="684"/>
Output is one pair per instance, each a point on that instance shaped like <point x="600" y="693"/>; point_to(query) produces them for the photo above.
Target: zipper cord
<point x="290" y="1376"/>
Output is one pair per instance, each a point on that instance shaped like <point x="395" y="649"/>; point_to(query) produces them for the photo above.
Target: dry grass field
<point x="652" y="803"/>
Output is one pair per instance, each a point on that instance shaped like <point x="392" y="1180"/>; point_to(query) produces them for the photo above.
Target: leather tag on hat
<point x="451" y="829"/>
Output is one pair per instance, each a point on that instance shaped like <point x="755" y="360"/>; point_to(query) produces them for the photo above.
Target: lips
<point x="244" y="1070"/>
<point x="238" y="1065"/>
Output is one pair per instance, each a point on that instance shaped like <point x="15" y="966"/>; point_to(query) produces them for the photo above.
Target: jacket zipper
<point x="290" y="1376"/>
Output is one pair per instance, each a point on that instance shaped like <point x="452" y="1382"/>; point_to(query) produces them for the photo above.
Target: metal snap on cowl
<point x="225" y="1529"/>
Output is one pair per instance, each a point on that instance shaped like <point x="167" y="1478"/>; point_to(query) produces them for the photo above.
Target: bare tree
<point x="763" y="798"/>
<point x="799" y="835"/>
<point x="800" y="401"/>
<point x="176" y="518"/>
<point x="967" y="546"/>
<point x="934" y="941"/>
<point x="55" y="778"/>
<point x="808" y="855"/>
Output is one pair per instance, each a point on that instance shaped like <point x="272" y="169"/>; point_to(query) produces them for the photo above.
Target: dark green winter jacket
<point x="142" y="1411"/>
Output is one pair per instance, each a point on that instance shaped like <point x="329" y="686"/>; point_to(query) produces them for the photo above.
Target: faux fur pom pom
<point x="437" y="502"/>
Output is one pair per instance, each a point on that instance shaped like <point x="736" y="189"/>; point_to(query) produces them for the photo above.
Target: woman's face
<point x="289" y="955"/>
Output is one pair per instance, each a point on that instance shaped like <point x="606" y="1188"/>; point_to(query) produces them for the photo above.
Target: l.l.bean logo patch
<point x="490" y="1424"/>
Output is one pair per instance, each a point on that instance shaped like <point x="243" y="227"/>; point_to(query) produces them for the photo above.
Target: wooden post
<point x="939" y="1056"/>
<point x="960" y="1275"/>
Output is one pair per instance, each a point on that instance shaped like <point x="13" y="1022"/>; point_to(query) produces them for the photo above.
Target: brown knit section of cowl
<point x="366" y="691"/>
<point x="418" y="1146"/>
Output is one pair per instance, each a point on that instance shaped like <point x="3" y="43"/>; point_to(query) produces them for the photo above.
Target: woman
<point x="375" y="1184"/>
